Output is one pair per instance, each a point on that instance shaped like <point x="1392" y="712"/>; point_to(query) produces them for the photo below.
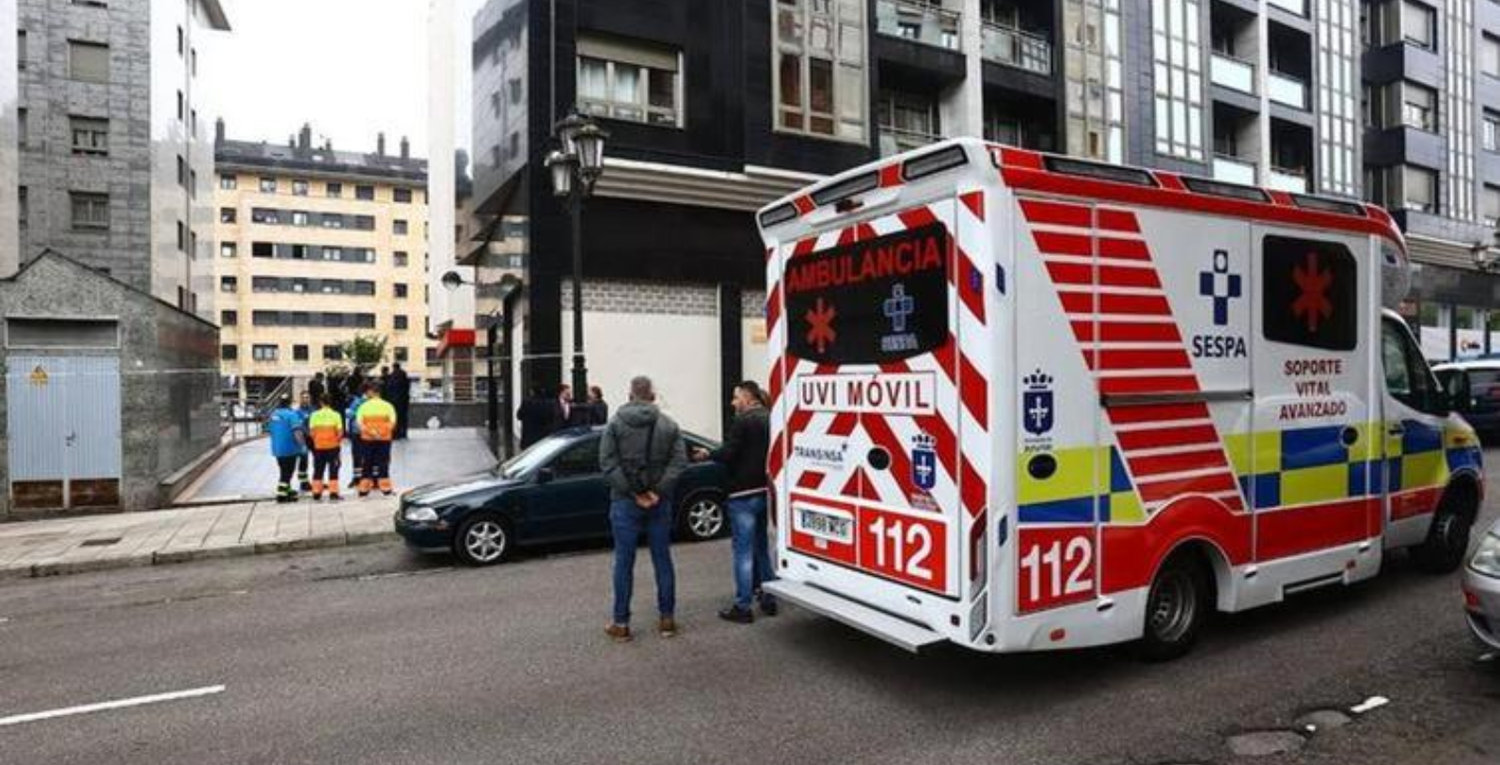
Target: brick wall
<point x="645" y="297"/>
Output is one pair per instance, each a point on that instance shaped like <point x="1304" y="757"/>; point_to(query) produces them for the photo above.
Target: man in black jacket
<point x="744" y="458"/>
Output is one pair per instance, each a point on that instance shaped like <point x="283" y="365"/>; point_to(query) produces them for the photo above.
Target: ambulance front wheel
<point x="1448" y="538"/>
<point x="1177" y="606"/>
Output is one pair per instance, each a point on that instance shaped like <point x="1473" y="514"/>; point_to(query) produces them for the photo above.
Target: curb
<point x="169" y="557"/>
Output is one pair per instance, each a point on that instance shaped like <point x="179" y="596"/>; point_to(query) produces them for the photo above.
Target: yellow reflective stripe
<point x="1419" y="471"/>
<point x="1315" y="484"/>
<point x="1240" y="456"/>
<point x="1125" y="507"/>
<point x="1074" y="477"/>
<point x="1267" y="457"/>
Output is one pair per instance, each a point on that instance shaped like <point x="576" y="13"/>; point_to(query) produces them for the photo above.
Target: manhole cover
<point x="105" y="542"/>
<point x="1265" y="743"/>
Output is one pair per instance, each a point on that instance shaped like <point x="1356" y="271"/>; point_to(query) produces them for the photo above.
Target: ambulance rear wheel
<point x="1176" y="608"/>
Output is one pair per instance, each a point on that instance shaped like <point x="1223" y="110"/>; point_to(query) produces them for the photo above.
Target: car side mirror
<point x="545" y="475"/>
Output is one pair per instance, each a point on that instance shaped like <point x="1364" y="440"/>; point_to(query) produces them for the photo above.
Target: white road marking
<point x="1372" y="703"/>
<point x="108" y="705"/>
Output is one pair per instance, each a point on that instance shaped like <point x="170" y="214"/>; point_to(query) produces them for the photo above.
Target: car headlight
<point x="1486" y="559"/>
<point x="420" y="514"/>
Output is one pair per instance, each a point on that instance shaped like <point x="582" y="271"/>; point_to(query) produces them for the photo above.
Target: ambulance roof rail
<point x="777" y="215"/>
<point x="1222" y="189"/>
<point x="846" y="188"/>
<point x="933" y="162"/>
<point x="1099" y="170"/>
<point x="1327" y="205"/>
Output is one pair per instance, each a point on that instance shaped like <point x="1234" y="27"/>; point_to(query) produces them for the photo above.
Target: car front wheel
<point x="702" y="517"/>
<point x="482" y="540"/>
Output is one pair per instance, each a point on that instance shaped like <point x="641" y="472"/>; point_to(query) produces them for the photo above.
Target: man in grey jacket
<point x="642" y="455"/>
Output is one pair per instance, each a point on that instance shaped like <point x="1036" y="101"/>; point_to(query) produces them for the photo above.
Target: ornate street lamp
<point x="575" y="165"/>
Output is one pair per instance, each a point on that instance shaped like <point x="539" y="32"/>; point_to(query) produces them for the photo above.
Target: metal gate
<point x="64" y="431"/>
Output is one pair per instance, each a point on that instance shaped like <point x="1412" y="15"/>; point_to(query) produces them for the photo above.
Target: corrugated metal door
<point x="64" y="430"/>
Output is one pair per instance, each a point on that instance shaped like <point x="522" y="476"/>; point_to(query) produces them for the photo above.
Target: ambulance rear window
<point x="1311" y="293"/>
<point x="871" y="302"/>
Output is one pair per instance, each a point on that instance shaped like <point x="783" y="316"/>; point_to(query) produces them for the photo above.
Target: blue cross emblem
<point x="1220" y="285"/>
<point x="898" y="307"/>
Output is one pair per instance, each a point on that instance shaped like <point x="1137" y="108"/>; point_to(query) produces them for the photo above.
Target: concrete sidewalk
<point x="93" y="543"/>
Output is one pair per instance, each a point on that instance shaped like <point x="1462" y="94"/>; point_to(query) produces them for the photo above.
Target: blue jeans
<point x="629" y="522"/>
<point x="752" y="554"/>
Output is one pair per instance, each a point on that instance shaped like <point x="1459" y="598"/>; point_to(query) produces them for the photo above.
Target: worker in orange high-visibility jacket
<point x="325" y="428"/>
<point x="376" y="419"/>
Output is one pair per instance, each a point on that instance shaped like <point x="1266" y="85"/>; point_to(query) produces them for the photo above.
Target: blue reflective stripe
<point x="1267" y="488"/>
<point x="1312" y="447"/>
<point x="1119" y="477"/>
<point x="1420" y="437"/>
<point x="1079" y="510"/>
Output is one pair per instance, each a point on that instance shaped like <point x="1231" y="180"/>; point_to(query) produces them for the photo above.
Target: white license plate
<point x="838" y="528"/>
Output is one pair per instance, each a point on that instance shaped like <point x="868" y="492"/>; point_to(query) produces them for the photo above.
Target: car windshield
<point x="538" y="455"/>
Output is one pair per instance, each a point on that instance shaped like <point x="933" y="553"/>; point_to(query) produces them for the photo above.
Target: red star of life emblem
<point x="1312" y="305"/>
<point x="820" y="330"/>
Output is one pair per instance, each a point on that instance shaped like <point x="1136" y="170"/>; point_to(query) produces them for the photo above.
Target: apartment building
<point x="316" y="245"/>
<point x="105" y="146"/>
<point x="715" y="107"/>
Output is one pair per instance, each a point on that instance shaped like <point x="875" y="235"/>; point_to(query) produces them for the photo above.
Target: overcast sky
<point x="352" y="68"/>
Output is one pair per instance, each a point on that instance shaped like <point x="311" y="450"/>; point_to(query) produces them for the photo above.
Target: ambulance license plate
<point x="827" y="525"/>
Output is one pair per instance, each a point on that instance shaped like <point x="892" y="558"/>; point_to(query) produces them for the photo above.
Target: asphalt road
<point x="371" y="655"/>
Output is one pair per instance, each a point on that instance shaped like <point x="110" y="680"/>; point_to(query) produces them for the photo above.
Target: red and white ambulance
<point x="1029" y="402"/>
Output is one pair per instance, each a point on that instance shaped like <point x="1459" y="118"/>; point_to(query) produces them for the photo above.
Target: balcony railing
<point x="1298" y="7"/>
<point x="1234" y="170"/>
<point x="1285" y="179"/>
<point x="1285" y="89"/>
<point x="1012" y="47"/>
<point x="896" y="140"/>
<point x="1419" y="117"/>
<point x="1232" y="73"/>
<point x="918" y="21"/>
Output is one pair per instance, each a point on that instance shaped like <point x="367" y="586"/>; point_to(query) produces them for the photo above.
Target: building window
<point x="1418" y="189"/>
<point x="628" y="80"/>
<point x="229" y="250"/>
<point x="88" y="61"/>
<point x="229" y="318"/>
<point x="400" y="322"/>
<point x="192" y="183"/>
<point x="299" y="187"/>
<point x="228" y="182"/>
<point x="182" y="171"/>
<point x="299" y="218"/>
<point x="332" y="353"/>
<point x="818" y="73"/>
<point x="229" y="352"/>
<point x="181" y="237"/>
<point x="229" y="284"/>
<point x="90" y="135"/>
<point x="1419" y="107"/>
<point x="1418" y="24"/>
<point x="399" y="227"/>
<point x="90" y="211"/>
<point x="399" y="259"/>
<point x="228" y="215"/>
<point x="264" y="352"/>
<point x="181" y="107"/>
<point x="366" y="193"/>
<point x="1491" y="136"/>
<point x="268" y="185"/>
<point x="401" y="355"/>
<point x="1489" y="55"/>
<point x="334" y="190"/>
<point x="1491" y="206"/>
<point x="401" y="291"/>
<point x="1177" y="58"/>
<point x="299" y="353"/>
<point x="181" y="41"/>
<point x="401" y="195"/>
<point x="262" y="250"/>
<point x="23" y="129"/>
<point x="193" y="244"/>
<point x="264" y="215"/>
<point x="23" y="206"/>
<point x="906" y="121"/>
<point x="21" y="49"/>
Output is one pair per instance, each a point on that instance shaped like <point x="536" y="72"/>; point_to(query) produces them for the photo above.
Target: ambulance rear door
<point x="873" y="459"/>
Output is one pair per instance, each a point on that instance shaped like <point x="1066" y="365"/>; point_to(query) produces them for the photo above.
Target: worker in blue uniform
<point x="288" y="435"/>
<point x="356" y="447"/>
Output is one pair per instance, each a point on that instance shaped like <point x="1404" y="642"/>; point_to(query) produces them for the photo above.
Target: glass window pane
<point x="791" y="80"/>
<point x="591" y="79"/>
<point x="627" y="84"/>
<point x="820" y="85"/>
<point x="663" y="88"/>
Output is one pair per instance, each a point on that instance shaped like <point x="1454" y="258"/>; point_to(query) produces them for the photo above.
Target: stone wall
<point x="168" y="364"/>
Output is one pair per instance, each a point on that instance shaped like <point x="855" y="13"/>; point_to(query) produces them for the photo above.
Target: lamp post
<point x="575" y="165"/>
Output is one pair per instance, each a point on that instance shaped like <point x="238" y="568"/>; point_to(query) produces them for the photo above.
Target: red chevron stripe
<point x="1055" y="243"/>
<point x="1213" y="483"/>
<point x="811" y="479"/>
<point x="973" y="390"/>
<point x="974" y="200"/>
<point x="1143" y="359"/>
<point x="1056" y="213"/>
<point x="1126" y="415"/>
<point x="1139" y="305"/>
<point x="1181" y="435"/>
<point x="773" y="307"/>
<point x="1149" y="384"/>
<point x="1202" y="459"/>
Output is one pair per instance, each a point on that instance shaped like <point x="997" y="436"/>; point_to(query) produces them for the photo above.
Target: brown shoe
<point x="667" y="626"/>
<point x="620" y="633"/>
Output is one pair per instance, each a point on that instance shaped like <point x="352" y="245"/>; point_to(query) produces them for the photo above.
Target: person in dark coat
<point x="598" y="407"/>
<point x="398" y="392"/>
<point x="743" y="456"/>
<point x="537" y="417"/>
<point x="316" y="388"/>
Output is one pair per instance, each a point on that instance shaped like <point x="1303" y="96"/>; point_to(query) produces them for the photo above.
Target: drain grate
<point x="102" y="542"/>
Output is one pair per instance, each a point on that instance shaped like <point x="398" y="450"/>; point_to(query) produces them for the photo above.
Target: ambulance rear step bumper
<point x="893" y="630"/>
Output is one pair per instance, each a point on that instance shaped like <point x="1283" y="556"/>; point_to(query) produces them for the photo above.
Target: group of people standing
<point x="542" y="415"/>
<point x="311" y="434"/>
<point x="642" y="454"/>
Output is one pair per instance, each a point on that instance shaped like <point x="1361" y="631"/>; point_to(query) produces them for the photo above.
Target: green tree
<point x="364" y="351"/>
